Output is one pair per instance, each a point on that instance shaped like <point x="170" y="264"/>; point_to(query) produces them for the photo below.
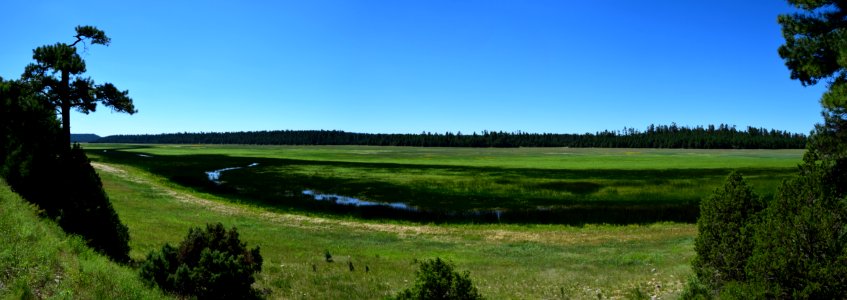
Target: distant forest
<point x="655" y="136"/>
<point x="84" y="137"/>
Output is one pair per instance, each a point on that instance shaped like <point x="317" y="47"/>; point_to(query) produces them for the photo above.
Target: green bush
<point x="726" y="226"/>
<point x="436" y="279"/>
<point x="209" y="264"/>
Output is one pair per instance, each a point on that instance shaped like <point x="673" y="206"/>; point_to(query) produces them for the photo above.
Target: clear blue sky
<point x="412" y="66"/>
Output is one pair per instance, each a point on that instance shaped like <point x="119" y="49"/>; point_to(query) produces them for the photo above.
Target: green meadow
<point x="505" y="261"/>
<point x="529" y="185"/>
<point x="161" y="191"/>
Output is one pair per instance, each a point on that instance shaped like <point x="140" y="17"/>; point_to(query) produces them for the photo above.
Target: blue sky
<point x="411" y="66"/>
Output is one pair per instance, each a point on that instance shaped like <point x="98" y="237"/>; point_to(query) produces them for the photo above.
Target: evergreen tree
<point x="35" y="158"/>
<point x="71" y="89"/>
<point x="725" y="231"/>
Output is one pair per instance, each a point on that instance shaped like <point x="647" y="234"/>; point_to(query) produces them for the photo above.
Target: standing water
<point x="344" y="200"/>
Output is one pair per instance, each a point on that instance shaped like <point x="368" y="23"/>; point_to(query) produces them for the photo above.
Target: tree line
<point x="655" y="136"/>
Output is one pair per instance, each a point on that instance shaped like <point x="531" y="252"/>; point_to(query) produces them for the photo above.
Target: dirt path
<point x="555" y="234"/>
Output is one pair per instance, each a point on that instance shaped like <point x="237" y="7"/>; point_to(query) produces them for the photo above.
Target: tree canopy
<point x="815" y="47"/>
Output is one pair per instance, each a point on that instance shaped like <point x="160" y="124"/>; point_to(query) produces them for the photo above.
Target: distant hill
<point x="84" y="137"/>
<point x="656" y="136"/>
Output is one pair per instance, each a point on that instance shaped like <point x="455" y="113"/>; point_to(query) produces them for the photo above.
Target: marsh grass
<point x="465" y="185"/>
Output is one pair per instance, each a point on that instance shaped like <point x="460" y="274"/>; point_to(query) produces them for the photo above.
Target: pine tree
<point x="71" y="89"/>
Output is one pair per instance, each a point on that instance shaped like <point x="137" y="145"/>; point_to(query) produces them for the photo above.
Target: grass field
<point x="505" y="261"/>
<point x="528" y="158"/>
<point x="534" y="185"/>
<point x="161" y="191"/>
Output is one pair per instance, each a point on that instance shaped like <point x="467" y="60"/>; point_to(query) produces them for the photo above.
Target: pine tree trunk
<point x="66" y="109"/>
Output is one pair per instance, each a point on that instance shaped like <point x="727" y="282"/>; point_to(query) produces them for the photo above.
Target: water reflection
<point x="215" y="176"/>
<point x="344" y="200"/>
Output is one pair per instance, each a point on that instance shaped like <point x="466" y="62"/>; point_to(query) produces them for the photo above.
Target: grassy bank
<point x="531" y="185"/>
<point x="38" y="260"/>
<point x="505" y="261"/>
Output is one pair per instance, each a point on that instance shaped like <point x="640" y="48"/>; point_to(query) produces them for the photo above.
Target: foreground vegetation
<point x="791" y="244"/>
<point x="209" y="264"/>
<point x="36" y="157"/>
<point x="38" y="260"/>
<point x="506" y="261"/>
<point x="526" y="185"/>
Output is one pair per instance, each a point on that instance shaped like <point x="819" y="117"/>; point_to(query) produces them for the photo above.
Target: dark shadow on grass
<point x="574" y="187"/>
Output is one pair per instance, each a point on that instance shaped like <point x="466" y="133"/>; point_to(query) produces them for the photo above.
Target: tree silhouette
<point x="656" y="136"/>
<point x="71" y="89"/>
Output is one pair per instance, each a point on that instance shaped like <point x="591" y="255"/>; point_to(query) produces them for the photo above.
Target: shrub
<point x="209" y="264"/>
<point x="436" y="279"/>
<point x="725" y="226"/>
